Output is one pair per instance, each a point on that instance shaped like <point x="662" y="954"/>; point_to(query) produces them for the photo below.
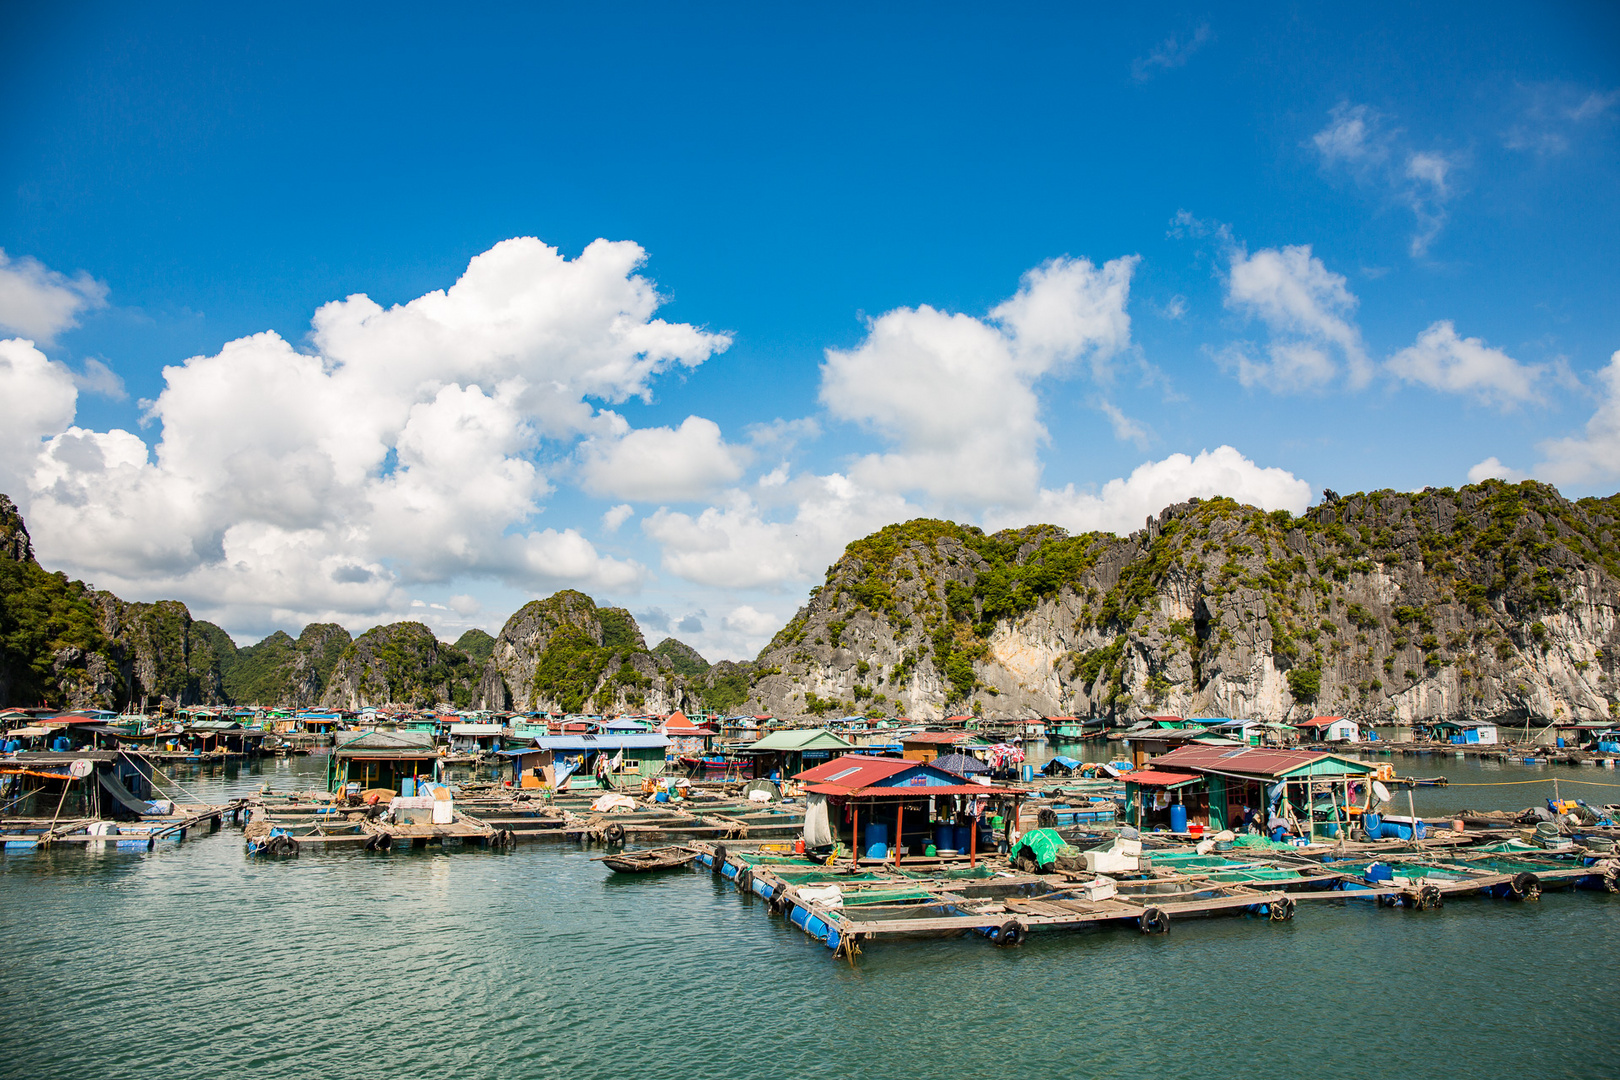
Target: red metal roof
<point x="914" y="792"/>
<point x="936" y="737"/>
<point x="1319" y="721"/>
<point x="853" y="771"/>
<point x="856" y="775"/>
<point x="1158" y="777"/>
<point x="1247" y="761"/>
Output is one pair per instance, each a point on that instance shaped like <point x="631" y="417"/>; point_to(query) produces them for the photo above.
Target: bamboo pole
<point x="855" y="836"/>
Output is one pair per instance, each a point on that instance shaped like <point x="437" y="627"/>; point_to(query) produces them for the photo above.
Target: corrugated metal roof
<point x="1159" y="778"/>
<point x="388" y="743"/>
<point x="1320" y="721"/>
<point x="913" y="792"/>
<point x="936" y="737"/>
<point x="802" y="739"/>
<point x="850" y="772"/>
<point x="476" y="729"/>
<point x="1249" y="761"/>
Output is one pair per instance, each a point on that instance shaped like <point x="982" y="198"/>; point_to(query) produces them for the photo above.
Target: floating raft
<point x="848" y="906"/>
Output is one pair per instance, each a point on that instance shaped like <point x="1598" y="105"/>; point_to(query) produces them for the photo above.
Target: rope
<point x="158" y="770"/>
<point x="1549" y="780"/>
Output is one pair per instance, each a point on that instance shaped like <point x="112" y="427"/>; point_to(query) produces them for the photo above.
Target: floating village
<point x="860" y="831"/>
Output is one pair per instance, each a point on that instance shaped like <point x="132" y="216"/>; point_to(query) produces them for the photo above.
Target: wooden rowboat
<point x="641" y="862"/>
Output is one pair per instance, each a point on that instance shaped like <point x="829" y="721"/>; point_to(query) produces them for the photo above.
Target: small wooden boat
<point x="641" y="862"/>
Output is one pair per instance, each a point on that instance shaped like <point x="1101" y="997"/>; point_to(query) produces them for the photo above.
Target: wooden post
<point x="973" y="842"/>
<point x="899" y="828"/>
<point x="855" y="837"/>
<point x="1413" y="812"/>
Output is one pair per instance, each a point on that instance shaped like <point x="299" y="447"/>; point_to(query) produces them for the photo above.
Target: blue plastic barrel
<point x="1178" y="817"/>
<point x="963" y="835"/>
<point x="877" y="841"/>
<point x="1560" y="742"/>
<point x="407" y="787"/>
<point x="1029" y="772"/>
<point x="944" y="834"/>
<point x="1373" y="823"/>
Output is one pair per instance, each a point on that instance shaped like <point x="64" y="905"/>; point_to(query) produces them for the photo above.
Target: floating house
<point x="1329" y="729"/>
<point x="928" y="745"/>
<point x="530" y="767"/>
<point x="381" y="759"/>
<point x="475" y="738"/>
<point x="621" y="759"/>
<point x="1462" y="732"/>
<point x="866" y="801"/>
<point x="67" y="784"/>
<point x="787" y="752"/>
<point x="1219" y="787"/>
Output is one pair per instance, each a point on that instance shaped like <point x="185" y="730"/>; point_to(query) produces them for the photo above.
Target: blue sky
<point x="1296" y="249"/>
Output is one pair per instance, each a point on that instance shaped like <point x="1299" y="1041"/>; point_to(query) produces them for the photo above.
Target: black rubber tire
<point x="1011" y="934"/>
<point x="1046" y="818"/>
<point x="1430" y="898"/>
<point x="1154" y="921"/>
<point x="1526" y="886"/>
<point x="719" y="858"/>
<point x="614" y="834"/>
<point x="1611" y="881"/>
<point x="745" y="879"/>
<point x="778" y="894"/>
<point x="371" y="842"/>
<point x="293" y="847"/>
<point x="1282" y="909"/>
<point x="386" y="843"/>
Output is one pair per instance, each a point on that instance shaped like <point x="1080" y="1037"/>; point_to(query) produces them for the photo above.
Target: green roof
<point x="802" y="739"/>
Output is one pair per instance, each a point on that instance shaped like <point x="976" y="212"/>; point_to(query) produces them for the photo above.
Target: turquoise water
<point x="194" y="961"/>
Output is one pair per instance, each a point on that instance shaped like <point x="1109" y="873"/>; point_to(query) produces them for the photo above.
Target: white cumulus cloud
<point x="1308" y="310"/>
<point x="660" y="464"/>
<point x="1123" y="505"/>
<point x="955" y="395"/>
<point x="40" y="303"/>
<point x="40" y="398"/>
<point x="737" y="544"/>
<point x="1593" y="457"/>
<point x="402" y="447"/>
<point x="1443" y="361"/>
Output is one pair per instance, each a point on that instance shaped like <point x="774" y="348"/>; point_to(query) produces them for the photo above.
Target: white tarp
<point x="613" y="802"/>
<point x="830" y="896"/>
<point x="817" y="831"/>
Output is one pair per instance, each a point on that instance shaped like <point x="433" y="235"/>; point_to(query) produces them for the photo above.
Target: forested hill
<point x="1493" y="600"/>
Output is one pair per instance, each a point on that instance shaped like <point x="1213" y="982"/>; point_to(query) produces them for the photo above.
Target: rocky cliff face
<point x="1493" y="601"/>
<point x="564" y="654"/>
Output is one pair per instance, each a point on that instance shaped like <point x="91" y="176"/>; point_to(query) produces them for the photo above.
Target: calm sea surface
<point x="195" y="961"/>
